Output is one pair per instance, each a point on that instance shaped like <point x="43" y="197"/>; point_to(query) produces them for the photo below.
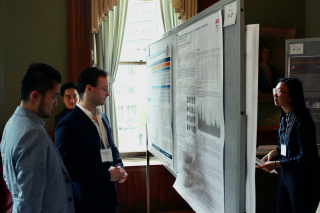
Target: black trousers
<point x="297" y="192"/>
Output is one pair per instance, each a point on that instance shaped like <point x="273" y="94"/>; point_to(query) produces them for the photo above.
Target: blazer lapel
<point x="106" y="122"/>
<point x="86" y="122"/>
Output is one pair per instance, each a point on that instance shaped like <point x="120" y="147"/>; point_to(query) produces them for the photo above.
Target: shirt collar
<point x="29" y="114"/>
<point x="88" y="113"/>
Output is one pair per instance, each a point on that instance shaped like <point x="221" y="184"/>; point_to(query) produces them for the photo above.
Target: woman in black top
<point x="268" y="75"/>
<point x="297" y="153"/>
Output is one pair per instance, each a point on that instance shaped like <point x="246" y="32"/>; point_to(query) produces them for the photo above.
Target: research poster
<point x="159" y="105"/>
<point x="307" y="70"/>
<point x="199" y="114"/>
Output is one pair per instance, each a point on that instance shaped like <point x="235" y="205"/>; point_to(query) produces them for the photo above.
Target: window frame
<point x="135" y="73"/>
<point x="134" y="154"/>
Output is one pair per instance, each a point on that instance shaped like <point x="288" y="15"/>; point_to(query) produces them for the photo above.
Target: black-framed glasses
<point x="277" y="91"/>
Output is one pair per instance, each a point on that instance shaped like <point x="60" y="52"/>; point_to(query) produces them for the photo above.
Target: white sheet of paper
<point x="296" y="49"/>
<point x="230" y="14"/>
<point x="260" y="162"/>
<point x="283" y="150"/>
<point x="200" y="123"/>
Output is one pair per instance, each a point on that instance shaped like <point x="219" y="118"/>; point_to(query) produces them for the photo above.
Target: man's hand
<point x="116" y="173"/>
<point x="124" y="177"/>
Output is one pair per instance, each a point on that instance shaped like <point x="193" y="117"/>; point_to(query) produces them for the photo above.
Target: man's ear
<point x="62" y="98"/>
<point x="89" y="89"/>
<point x="35" y="96"/>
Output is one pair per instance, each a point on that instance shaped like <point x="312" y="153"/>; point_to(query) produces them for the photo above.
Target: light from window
<point x="132" y="70"/>
<point x="118" y="90"/>
<point x="132" y="89"/>
<point x="143" y="24"/>
<point x="120" y="111"/>
<point x="132" y="111"/>
<point x="147" y="31"/>
<point x="136" y="32"/>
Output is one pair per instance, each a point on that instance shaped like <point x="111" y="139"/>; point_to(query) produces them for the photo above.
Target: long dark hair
<point x="298" y="102"/>
<point x="296" y="93"/>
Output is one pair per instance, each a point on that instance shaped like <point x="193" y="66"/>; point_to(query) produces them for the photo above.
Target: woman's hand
<point x="268" y="166"/>
<point x="270" y="156"/>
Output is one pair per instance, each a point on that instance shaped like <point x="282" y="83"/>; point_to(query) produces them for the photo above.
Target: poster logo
<point x="167" y="50"/>
<point x="217" y="25"/>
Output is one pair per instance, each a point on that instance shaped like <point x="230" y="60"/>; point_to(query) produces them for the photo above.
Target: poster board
<point x="303" y="62"/>
<point x="233" y="100"/>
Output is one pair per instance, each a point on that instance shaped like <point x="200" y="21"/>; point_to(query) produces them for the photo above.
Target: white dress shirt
<point x="99" y="125"/>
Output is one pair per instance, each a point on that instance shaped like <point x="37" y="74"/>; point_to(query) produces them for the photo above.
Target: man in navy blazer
<point x="85" y="143"/>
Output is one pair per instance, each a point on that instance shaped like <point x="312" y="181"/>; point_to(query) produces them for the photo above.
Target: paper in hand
<point x="260" y="162"/>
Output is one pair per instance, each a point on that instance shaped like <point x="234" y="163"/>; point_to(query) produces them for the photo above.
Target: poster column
<point x="200" y="116"/>
<point x="252" y="66"/>
<point x="159" y="105"/>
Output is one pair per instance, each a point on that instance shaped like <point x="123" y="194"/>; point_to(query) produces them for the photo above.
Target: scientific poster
<point x="159" y="105"/>
<point x="307" y="70"/>
<point x="200" y="119"/>
<point x="252" y="66"/>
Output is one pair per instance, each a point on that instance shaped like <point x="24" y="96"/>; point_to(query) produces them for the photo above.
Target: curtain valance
<point x="99" y="11"/>
<point x="186" y="8"/>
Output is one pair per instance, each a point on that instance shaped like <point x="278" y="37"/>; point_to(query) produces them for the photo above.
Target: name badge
<point x="106" y="155"/>
<point x="283" y="150"/>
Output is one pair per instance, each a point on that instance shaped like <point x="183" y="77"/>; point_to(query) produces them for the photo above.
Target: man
<point x="32" y="168"/>
<point x="84" y="140"/>
<point x="69" y="96"/>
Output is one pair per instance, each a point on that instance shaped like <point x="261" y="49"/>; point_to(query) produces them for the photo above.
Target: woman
<point x="268" y="75"/>
<point x="297" y="153"/>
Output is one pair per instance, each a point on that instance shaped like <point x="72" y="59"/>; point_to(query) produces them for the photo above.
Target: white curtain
<point x="107" y="45"/>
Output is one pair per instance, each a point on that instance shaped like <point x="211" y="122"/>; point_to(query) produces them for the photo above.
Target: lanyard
<point x="287" y="134"/>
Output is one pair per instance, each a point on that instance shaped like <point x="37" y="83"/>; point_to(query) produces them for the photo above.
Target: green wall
<point x="31" y="31"/>
<point x="2" y="102"/>
<point x="312" y="19"/>
<point x="275" y="13"/>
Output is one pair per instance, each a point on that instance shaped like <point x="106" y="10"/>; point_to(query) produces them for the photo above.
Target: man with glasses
<point x="69" y="96"/>
<point x="85" y="143"/>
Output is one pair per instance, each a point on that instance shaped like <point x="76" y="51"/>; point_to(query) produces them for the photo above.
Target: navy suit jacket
<point x="78" y="142"/>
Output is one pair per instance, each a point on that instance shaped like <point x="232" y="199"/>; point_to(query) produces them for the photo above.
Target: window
<point x="132" y="70"/>
<point x="143" y="24"/>
<point x="120" y="111"/>
<point x="118" y="90"/>
<point x="131" y="111"/>
<point x="147" y="31"/>
<point x="136" y="32"/>
<point x="132" y="89"/>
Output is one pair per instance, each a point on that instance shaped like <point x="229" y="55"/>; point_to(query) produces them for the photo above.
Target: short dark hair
<point x="89" y="76"/>
<point x="69" y="85"/>
<point x="40" y="77"/>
